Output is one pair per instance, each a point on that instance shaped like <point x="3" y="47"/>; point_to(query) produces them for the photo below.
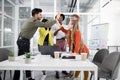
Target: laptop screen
<point x="48" y="50"/>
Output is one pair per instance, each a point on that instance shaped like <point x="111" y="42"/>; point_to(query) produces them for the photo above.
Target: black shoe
<point x="65" y="72"/>
<point x="31" y="79"/>
<point x="69" y="75"/>
<point x="57" y="75"/>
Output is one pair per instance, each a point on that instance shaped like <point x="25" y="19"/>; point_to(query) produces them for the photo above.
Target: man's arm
<point x="37" y="23"/>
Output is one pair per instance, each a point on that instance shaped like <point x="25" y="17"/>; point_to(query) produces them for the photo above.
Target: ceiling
<point x="63" y="5"/>
<point x="85" y="5"/>
<point x="70" y="5"/>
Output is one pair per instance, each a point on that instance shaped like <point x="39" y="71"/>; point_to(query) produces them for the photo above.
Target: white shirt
<point x="60" y="34"/>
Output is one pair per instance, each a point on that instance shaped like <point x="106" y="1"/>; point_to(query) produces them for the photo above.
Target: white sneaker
<point x="43" y="77"/>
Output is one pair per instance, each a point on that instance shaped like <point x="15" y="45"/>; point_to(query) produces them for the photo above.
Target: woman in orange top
<point x="74" y="40"/>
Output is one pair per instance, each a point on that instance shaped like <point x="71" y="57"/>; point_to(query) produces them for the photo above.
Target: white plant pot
<point x="11" y="58"/>
<point x="28" y="60"/>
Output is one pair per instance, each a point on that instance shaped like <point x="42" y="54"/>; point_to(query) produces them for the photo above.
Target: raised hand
<point x="57" y="17"/>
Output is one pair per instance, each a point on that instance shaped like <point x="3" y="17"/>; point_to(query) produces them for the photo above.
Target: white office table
<point x="43" y="62"/>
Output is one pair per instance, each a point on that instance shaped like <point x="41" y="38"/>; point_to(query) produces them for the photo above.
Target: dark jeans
<point x="23" y="46"/>
<point x="0" y="78"/>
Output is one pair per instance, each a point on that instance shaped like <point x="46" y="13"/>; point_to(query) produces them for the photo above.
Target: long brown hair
<point x="70" y="35"/>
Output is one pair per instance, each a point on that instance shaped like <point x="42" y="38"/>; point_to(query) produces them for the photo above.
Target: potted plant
<point x="27" y="58"/>
<point x="11" y="56"/>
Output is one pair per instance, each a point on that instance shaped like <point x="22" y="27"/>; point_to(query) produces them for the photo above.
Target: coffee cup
<point x="83" y="56"/>
<point x="56" y="54"/>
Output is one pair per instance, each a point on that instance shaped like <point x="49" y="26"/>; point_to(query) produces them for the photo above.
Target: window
<point x="7" y="19"/>
<point x="0" y="21"/>
<point x="8" y="39"/>
<point x="8" y="32"/>
<point x="44" y="5"/>
<point x="9" y="9"/>
<point x="0" y="5"/>
<point x="8" y="24"/>
<point x="24" y="12"/>
<point x="0" y="38"/>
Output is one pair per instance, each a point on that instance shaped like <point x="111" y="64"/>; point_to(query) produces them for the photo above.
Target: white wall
<point x="111" y="14"/>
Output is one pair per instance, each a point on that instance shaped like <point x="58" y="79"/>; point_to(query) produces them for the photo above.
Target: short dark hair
<point x="36" y="11"/>
<point x="63" y="16"/>
<point x="44" y="20"/>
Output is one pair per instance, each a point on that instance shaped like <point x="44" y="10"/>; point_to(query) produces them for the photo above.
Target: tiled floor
<point x="50" y="76"/>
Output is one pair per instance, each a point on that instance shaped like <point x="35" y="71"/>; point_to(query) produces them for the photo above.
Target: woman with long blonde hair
<point x="75" y="41"/>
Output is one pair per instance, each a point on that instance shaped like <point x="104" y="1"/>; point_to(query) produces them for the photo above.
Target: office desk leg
<point x="96" y="74"/>
<point x="81" y="73"/>
<point x="33" y="74"/>
<point x="21" y="74"/>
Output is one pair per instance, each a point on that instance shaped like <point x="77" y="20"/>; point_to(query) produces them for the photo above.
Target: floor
<point x="50" y="76"/>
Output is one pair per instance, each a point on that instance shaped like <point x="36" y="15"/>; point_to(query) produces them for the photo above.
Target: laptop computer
<point x="48" y="50"/>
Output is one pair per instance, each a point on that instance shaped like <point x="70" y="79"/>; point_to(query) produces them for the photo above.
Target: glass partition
<point x="8" y="39"/>
<point x="8" y="31"/>
<point x="45" y="5"/>
<point x="48" y="16"/>
<point x="0" y="21"/>
<point x="0" y="38"/>
<point x="24" y="12"/>
<point x="0" y="5"/>
<point x="8" y="24"/>
<point x="9" y="9"/>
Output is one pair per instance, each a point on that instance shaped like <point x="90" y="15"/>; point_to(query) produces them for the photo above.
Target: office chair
<point x="110" y="66"/>
<point x="4" y="53"/>
<point x="99" y="57"/>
